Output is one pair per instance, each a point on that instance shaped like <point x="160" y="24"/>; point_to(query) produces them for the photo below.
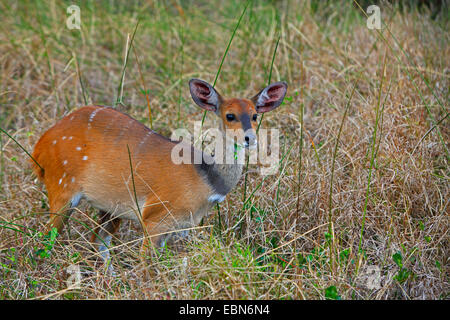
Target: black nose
<point x="247" y="139"/>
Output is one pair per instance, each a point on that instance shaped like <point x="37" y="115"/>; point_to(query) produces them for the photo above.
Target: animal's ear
<point x="270" y="97"/>
<point x="204" y="95"/>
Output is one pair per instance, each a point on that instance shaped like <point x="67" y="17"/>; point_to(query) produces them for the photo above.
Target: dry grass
<point x="285" y="242"/>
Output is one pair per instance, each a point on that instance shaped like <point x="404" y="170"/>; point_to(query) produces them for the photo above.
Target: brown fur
<point x="170" y="191"/>
<point x="87" y="155"/>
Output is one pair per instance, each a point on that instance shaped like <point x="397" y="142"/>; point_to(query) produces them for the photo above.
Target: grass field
<point x="359" y="208"/>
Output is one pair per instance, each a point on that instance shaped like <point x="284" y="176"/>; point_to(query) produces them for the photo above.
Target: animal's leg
<point x="157" y="221"/>
<point x="103" y="233"/>
<point x="161" y="230"/>
<point x="154" y="237"/>
<point x="60" y="211"/>
<point x="164" y="222"/>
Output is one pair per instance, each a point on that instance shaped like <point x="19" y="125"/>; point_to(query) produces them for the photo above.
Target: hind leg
<point x="103" y="233"/>
<point x="60" y="210"/>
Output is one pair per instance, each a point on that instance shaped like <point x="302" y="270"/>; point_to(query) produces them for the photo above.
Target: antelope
<point x="92" y="153"/>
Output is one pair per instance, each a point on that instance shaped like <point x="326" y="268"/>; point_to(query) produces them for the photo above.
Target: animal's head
<point x="239" y="116"/>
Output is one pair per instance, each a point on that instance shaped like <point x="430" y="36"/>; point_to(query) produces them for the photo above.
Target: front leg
<point x="155" y="237"/>
<point x="163" y="223"/>
<point x="158" y="222"/>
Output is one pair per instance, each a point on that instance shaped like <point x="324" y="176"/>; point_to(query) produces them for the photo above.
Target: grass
<point x="363" y="178"/>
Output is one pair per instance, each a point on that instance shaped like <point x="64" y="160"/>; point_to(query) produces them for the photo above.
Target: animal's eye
<point x="255" y="116"/>
<point x="230" y="117"/>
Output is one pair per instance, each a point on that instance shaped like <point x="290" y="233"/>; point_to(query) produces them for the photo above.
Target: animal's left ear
<point x="270" y="97"/>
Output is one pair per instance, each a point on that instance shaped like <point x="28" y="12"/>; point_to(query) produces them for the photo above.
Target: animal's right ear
<point x="204" y="95"/>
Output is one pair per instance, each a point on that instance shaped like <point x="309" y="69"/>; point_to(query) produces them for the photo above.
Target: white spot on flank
<point x="65" y="185"/>
<point x="70" y="138"/>
<point x="78" y="148"/>
<point x="64" y="138"/>
<point x="85" y="158"/>
<point x="216" y="198"/>
<point x="54" y="141"/>
<point x="73" y="179"/>
<point x="64" y="175"/>
<point x="60" y="180"/>
<point x="64" y="162"/>
<point x="91" y="117"/>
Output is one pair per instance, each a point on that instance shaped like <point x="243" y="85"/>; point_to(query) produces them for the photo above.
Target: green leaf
<point x="438" y="265"/>
<point x="343" y="255"/>
<point x="398" y="259"/>
<point x="327" y="237"/>
<point x="331" y="293"/>
<point x="421" y="225"/>
<point x="402" y="275"/>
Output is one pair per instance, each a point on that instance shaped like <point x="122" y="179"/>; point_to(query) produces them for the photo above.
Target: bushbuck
<point x="125" y="170"/>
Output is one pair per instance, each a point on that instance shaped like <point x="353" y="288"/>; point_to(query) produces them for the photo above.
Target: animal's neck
<point x="230" y="168"/>
<point x="226" y="170"/>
